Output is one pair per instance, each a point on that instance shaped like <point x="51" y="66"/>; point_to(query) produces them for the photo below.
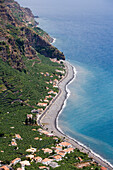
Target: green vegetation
<point x="28" y="87"/>
<point x="25" y="75"/>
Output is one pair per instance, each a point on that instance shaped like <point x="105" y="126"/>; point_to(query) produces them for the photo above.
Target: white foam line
<point x="79" y="143"/>
<point x="54" y="39"/>
<point x="65" y="101"/>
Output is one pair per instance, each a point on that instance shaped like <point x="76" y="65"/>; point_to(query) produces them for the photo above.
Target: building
<point x="34" y="111"/>
<point x="4" y="168"/>
<point x="46" y="161"/>
<point x="47" y="74"/>
<point x="36" y="138"/>
<point x="65" y="144"/>
<point x="32" y="150"/>
<point x="29" y="116"/>
<point x="42" y="104"/>
<point x="55" y="86"/>
<point x="13" y="143"/>
<point x="15" y="161"/>
<point x="80" y="159"/>
<point x="57" y="151"/>
<point x="55" y="82"/>
<point x="62" y="153"/>
<point x="43" y="167"/>
<point x="50" y="134"/>
<point x="51" y="92"/>
<point x="39" y="130"/>
<point x="30" y="156"/>
<point x="103" y="168"/>
<point x="59" y="147"/>
<point x="69" y="150"/>
<point x="55" y="93"/>
<point x="38" y="159"/>
<point x="45" y="132"/>
<point x="41" y="73"/>
<point x="45" y="100"/>
<point x="50" y="82"/>
<point x="54" y="164"/>
<point x="47" y="150"/>
<point x="59" y="71"/>
<point x="57" y="158"/>
<point x="55" y="138"/>
<point x="49" y="96"/>
<point x="17" y="136"/>
<point x="25" y="163"/>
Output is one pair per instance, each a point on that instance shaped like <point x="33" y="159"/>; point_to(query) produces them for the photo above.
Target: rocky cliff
<point x="20" y="36"/>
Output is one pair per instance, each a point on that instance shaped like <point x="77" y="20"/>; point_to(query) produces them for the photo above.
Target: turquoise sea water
<point x="84" y="33"/>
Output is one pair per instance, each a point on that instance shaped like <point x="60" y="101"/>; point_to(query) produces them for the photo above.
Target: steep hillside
<point x="23" y="54"/>
<point x="20" y="37"/>
<point x="25" y="75"/>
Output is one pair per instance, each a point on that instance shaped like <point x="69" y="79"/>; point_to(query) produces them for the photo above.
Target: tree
<point x="30" y="121"/>
<point x="26" y="121"/>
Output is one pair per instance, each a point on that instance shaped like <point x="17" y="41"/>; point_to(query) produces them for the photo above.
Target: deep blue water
<point x="84" y="33"/>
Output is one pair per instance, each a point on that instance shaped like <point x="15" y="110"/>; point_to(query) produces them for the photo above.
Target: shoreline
<point x="56" y="107"/>
<point x="53" y="40"/>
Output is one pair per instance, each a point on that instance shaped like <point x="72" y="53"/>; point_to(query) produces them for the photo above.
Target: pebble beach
<point x="50" y="117"/>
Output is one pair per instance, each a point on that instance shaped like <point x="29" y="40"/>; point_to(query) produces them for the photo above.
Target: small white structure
<point x="69" y="150"/>
<point x="30" y="156"/>
<point x="57" y="158"/>
<point x="15" y="161"/>
<point x="29" y="116"/>
<point x="17" y="136"/>
<point x="54" y="164"/>
<point x="38" y="159"/>
<point x="31" y="150"/>
<point x="47" y="150"/>
<point x="34" y="111"/>
<point x="13" y="143"/>
<point x="25" y="163"/>
<point x="42" y="104"/>
<point x="65" y="144"/>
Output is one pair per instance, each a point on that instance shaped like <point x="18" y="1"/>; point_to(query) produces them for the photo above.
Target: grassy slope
<point x="29" y="87"/>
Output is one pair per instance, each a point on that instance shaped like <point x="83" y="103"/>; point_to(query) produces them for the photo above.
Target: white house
<point x="15" y="161"/>
<point x="57" y="158"/>
<point x="46" y="161"/>
<point x="38" y="159"/>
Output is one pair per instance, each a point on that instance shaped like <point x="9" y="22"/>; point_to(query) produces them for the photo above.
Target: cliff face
<point x="42" y="46"/>
<point x="20" y="37"/>
<point x="22" y="14"/>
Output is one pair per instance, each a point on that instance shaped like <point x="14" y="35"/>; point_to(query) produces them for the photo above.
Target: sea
<point x="83" y="31"/>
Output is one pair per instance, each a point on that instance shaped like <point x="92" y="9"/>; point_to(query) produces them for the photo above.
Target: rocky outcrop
<point x="18" y="40"/>
<point x="23" y="14"/>
<point x="42" y="46"/>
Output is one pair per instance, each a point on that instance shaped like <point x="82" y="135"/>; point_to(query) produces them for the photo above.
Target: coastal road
<point x="49" y="117"/>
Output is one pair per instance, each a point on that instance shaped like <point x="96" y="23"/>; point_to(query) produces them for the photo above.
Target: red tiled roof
<point x="4" y="167"/>
<point x="65" y="144"/>
<point x="57" y="157"/>
<point x="18" y="136"/>
<point x="42" y="167"/>
<point x="46" y="160"/>
<point x="37" y="158"/>
<point x="15" y="160"/>
<point x="103" y="168"/>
